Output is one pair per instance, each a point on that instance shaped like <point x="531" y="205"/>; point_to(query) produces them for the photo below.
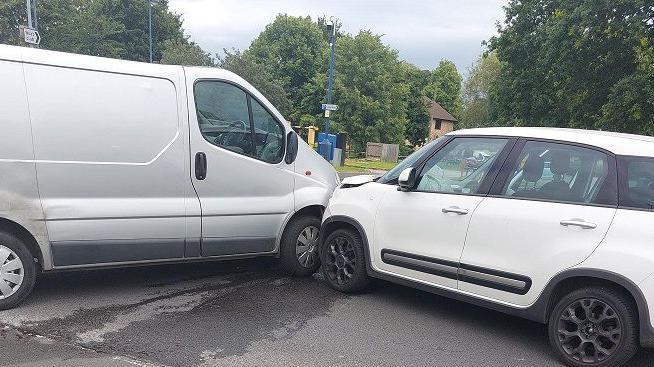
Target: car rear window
<point x="638" y="183"/>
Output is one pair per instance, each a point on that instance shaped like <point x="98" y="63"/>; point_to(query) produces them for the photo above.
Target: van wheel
<point x="299" y="246"/>
<point x="594" y="326"/>
<point x="17" y="271"/>
<point x="343" y="261"/>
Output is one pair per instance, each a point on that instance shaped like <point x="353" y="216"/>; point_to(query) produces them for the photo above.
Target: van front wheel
<point x="299" y="246"/>
<point x="17" y="271"/>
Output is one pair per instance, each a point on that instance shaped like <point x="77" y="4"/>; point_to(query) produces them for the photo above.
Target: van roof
<point x="71" y="60"/>
<point x="618" y="143"/>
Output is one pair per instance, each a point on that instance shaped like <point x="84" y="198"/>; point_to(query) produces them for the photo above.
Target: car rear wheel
<point x="594" y="326"/>
<point x="343" y="261"/>
<point x="299" y="246"/>
<point x="17" y="271"/>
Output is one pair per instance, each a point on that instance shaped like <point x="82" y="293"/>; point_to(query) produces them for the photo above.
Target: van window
<point x="638" y="188"/>
<point x="268" y="134"/>
<point x="223" y="116"/>
<point x="559" y="172"/>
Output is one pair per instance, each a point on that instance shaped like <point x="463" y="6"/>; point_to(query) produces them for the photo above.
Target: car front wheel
<point x="343" y="261"/>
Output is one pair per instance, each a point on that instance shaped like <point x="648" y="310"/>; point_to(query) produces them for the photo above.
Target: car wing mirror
<point x="407" y="179"/>
<point x="291" y="147"/>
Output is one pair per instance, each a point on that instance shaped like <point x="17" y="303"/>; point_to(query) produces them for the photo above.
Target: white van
<point x="110" y="163"/>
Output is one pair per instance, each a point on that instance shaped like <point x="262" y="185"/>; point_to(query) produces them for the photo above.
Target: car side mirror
<point x="407" y="179"/>
<point x="291" y="147"/>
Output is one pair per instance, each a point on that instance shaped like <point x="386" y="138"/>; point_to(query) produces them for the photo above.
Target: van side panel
<point x="111" y="164"/>
<point x="19" y="197"/>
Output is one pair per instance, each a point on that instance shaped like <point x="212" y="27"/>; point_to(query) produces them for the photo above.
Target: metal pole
<point x="330" y="79"/>
<point x="35" y="20"/>
<point x="29" y="13"/>
<point x="150" y="22"/>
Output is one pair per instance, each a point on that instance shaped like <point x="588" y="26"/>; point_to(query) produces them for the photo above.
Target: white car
<point x="114" y="163"/>
<point x="553" y="226"/>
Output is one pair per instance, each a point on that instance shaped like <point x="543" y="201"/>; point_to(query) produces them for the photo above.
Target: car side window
<point x="638" y="190"/>
<point x="268" y="134"/>
<point x="558" y="172"/>
<point x="223" y="116"/>
<point x="460" y="166"/>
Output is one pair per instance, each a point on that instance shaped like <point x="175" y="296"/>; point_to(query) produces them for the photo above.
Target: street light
<point x="331" y="28"/>
<point x="150" y="3"/>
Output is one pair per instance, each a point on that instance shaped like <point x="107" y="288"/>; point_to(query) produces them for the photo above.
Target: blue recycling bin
<point x="326" y="145"/>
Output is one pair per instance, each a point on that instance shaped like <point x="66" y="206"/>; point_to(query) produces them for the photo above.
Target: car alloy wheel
<point x="589" y="330"/>
<point x="306" y="248"/>
<point x="340" y="260"/>
<point x="11" y="272"/>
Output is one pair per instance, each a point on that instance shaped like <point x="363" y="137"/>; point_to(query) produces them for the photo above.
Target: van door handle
<point x="200" y="166"/>
<point x="578" y="223"/>
<point x="455" y="210"/>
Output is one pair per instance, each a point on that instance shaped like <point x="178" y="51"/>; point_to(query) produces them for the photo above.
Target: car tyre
<point x="300" y="245"/>
<point x="343" y="261"/>
<point x="594" y="326"/>
<point x="17" y="271"/>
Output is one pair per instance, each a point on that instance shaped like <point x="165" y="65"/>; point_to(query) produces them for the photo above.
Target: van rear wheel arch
<point x="15" y="229"/>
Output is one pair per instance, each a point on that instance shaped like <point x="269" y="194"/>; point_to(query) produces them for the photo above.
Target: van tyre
<point x="17" y="271"/>
<point x="594" y="326"/>
<point x="344" y="262"/>
<point x="299" y="247"/>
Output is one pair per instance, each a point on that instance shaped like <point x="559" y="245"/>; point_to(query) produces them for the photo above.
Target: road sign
<point x="329" y="107"/>
<point x="327" y="113"/>
<point x="31" y="35"/>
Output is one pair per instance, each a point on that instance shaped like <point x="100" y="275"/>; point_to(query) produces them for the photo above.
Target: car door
<point x="244" y="185"/>
<point x="419" y="234"/>
<point x="549" y="208"/>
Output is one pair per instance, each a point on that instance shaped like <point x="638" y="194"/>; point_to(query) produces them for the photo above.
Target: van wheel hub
<point x="11" y="272"/>
<point x="306" y="245"/>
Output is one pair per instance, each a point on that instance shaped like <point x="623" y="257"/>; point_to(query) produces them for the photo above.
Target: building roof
<point x="439" y="113"/>
<point x="618" y="143"/>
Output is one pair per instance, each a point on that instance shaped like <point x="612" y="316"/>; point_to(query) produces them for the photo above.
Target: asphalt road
<point x="246" y="313"/>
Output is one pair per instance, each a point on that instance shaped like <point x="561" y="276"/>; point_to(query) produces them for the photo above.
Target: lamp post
<point x="150" y="3"/>
<point x="330" y="77"/>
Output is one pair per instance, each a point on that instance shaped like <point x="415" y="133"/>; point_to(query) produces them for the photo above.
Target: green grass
<point x="364" y="165"/>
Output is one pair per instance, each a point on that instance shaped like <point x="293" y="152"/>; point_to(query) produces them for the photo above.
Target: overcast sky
<point x="424" y="32"/>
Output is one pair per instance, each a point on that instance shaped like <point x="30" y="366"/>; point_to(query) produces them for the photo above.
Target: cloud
<point x="423" y="32"/>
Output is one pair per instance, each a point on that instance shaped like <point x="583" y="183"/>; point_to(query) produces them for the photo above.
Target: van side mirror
<point x="291" y="147"/>
<point x="407" y="179"/>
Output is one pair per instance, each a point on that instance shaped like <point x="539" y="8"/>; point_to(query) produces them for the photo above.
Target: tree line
<point x="562" y="63"/>
<point x="567" y="63"/>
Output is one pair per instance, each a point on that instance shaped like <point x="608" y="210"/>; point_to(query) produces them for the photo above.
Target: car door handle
<point x="455" y="210"/>
<point x="200" y="166"/>
<point x="578" y="223"/>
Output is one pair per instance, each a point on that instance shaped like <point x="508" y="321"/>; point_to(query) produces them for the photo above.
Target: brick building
<point x="440" y="121"/>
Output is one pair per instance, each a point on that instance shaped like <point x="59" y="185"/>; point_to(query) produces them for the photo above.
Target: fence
<point x="383" y="152"/>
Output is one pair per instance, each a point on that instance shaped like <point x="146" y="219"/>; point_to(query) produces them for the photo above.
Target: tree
<point x="178" y="52"/>
<point x="564" y="61"/>
<point x="370" y="91"/>
<point x="108" y="28"/>
<point x="259" y="76"/>
<point x="417" y="124"/>
<point x="445" y="87"/>
<point x="294" y="50"/>
<point x="479" y="90"/>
